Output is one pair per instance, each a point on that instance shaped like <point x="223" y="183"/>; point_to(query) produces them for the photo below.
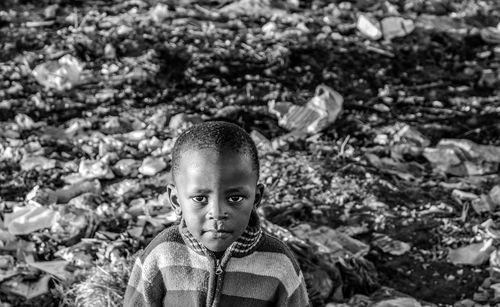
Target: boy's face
<point x="216" y="193"/>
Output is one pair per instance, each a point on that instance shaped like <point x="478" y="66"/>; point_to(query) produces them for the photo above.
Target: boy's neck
<point x="219" y="255"/>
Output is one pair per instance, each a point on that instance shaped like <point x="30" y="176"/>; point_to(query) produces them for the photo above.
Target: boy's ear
<point x="173" y="199"/>
<point x="259" y="193"/>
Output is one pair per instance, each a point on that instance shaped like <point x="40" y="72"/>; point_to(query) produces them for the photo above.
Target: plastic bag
<point x="396" y="27"/>
<point x="369" y="27"/>
<point x="25" y="220"/>
<point x="61" y="75"/>
<point x="322" y="110"/>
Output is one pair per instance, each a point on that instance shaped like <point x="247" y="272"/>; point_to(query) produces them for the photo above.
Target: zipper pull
<point x="218" y="269"/>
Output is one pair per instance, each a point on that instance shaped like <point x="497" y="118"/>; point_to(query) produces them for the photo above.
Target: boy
<point x="218" y="254"/>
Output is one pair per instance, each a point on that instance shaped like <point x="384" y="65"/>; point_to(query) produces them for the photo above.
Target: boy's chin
<point x="217" y="246"/>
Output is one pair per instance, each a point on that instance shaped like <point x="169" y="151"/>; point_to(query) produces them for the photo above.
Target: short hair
<point x="219" y="136"/>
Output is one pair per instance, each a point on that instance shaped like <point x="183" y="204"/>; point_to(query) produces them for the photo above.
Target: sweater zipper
<point x="217" y="283"/>
<point x="218" y="267"/>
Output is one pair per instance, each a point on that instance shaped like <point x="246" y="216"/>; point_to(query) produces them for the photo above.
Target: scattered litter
<point x="462" y="157"/>
<point x="27" y="289"/>
<point x="334" y="242"/>
<point x="369" y="27"/>
<point x="321" y="111"/>
<point x="463" y="196"/>
<point x="227" y="61"/>
<point x="490" y="35"/>
<point x="488" y="79"/>
<point x="398" y="302"/>
<point x="25" y="220"/>
<point x="56" y="268"/>
<point x="50" y="11"/>
<point x="127" y="167"/>
<point x="404" y="170"/>
<point x="61" y="75"/>
<point x="38" y="24"/>
<point x="65" y="194"/>
<point x="491" y="228"/>
<point x="37" y="162"/>
<point x="494" y="197"/>
<point x="251" y="8"/>
<point x="41" y="197"/>
<point x="25" y="122"/>
<point x="390" y="246"/>
<point x="473" y="254"/>
<point x="159" y="13"/>
<point x="396" y="27"/>
<point x="91" y="169"/>
<point x="6" y="262"/>
<point x="262" y="143"/>
<point x="152" y="166"/>
<point x="182" y="121"/>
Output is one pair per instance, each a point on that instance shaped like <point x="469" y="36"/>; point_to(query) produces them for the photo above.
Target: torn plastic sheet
<point x="319" y="112"/>
<point x="25" y="220"/>
<point x="473" y="254"/>
<point x="61" y="75"/>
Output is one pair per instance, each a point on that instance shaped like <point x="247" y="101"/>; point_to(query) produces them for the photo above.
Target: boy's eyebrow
<point x="230" y="190"/>
<point x="236" y="189"/>
<point x="203" y="191"/>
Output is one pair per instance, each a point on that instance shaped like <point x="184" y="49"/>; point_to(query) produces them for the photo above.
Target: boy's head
<point x="215" y="169"/>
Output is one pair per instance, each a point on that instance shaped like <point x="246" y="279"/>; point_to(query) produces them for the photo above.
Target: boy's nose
<point x="217" y="211"/>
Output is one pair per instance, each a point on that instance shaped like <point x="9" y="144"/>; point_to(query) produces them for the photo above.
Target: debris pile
<point x="376" y="124"/>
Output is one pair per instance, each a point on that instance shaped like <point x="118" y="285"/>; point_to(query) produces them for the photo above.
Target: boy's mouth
<point x="218" y="231"/>
<point x="218" y="234"/>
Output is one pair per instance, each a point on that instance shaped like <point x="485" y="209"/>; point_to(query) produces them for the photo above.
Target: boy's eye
<point x="235" y="199"/>
<point x="200" y="199"/>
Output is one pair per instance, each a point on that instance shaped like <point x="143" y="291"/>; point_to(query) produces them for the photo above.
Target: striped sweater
<point x="176" y="270"/>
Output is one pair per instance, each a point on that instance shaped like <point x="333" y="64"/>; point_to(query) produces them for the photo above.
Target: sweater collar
<point x="241" y="247"/>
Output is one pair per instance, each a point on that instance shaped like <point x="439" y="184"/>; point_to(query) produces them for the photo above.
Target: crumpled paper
<point x="25" y="220"/>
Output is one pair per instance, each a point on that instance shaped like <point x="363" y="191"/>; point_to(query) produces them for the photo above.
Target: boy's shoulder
<point x="273" y="244"/>
<point x="170" y="234"/>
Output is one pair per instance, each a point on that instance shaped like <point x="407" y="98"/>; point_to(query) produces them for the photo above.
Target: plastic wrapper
<point x="124" y="189"/>
<point x="61" y="75"/>
<point x="33" y="162"/>
<point x="182" y="121"/>
<point x="319" y="112"/>
<point x="262" y="143"/>
<point x="391" y="246"/>
<point x="138" y="135"/>
<point x="159" y="13"/>
<point x="72" y="225"/>
<point x="490" y="35"/>
<point x="395" y="26"/>
<point x="90" y="169"/>
<point x="474" y="254"/>
<point x="335" y="242"/>
<point x="494" y="196"/>
<point x="65" y="194"/>
<point x="24" y="122"/>
<point x="252" y="8"/>
<point x="27" y="289"/>
<point x="152" y="166"/>
<point x="25" y="220"/>
<point x="6" y="262"/>
<point x="463" y="157"/>
<point x="398" y="302"/>
<point x="369" y="27"/>
<point x="127" y="167"/>
<point x="55" y="268"/>
<point x="41" y="197"/>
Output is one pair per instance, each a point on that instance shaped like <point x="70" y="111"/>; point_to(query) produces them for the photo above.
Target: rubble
<point x="400" y="163"/>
